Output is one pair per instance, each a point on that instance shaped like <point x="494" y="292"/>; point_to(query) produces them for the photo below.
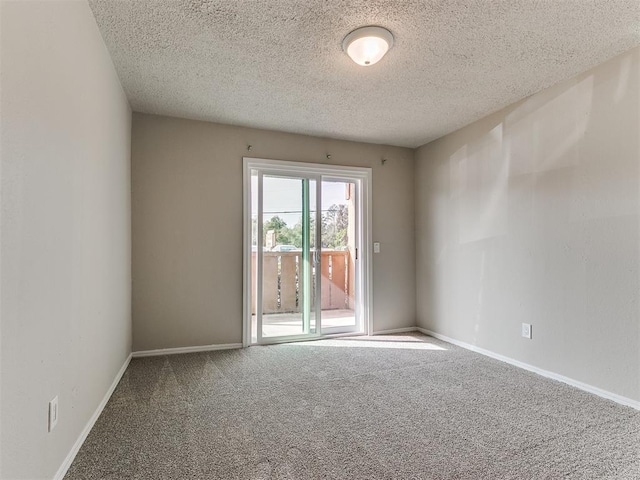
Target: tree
<point x="276" y="223"/>
<point x="335" y="223"/>
<point x="284" y="234"/>
<point x="295" y="233"/>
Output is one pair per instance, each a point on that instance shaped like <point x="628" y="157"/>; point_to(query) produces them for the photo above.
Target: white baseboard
<point x="62" y="471"/>
<point x="395" y="330"/>
<point x="198" y="348"/>
<point x="545" y="373"/>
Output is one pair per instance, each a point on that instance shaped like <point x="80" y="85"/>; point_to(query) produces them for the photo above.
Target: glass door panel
<point x="286" y="213"/>
<point x="339" y="239"/>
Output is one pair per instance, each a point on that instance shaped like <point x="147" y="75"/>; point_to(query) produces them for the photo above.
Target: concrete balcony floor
<point x="284" y="324"/>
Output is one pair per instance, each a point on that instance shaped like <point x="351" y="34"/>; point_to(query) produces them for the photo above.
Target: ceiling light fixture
<point x="367" y="45"/>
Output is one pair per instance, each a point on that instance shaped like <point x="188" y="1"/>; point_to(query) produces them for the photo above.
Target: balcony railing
<point x="281" y="289"/>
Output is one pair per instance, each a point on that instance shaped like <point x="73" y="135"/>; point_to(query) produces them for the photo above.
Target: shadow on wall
<point x="529" y="210"/>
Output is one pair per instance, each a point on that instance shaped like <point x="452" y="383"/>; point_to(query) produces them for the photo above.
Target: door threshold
<point x="309" y="339"/>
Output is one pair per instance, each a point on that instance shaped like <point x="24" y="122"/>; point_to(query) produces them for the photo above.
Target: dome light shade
<point x="367" y="45"/>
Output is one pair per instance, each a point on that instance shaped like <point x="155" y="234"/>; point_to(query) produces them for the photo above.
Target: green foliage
<point x="335" y="223"/>
<point x="276" y="223"/>
<point x="284" y="234"/>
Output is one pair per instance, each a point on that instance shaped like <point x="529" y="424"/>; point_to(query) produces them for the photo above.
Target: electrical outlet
<point x="526" y="330"/>
<point x="53" y="413"/>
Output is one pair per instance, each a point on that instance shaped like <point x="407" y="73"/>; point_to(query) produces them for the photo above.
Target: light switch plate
<point x="376" y="247"/>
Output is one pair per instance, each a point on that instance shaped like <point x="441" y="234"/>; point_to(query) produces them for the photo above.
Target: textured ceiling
<point x="279" y="64"/>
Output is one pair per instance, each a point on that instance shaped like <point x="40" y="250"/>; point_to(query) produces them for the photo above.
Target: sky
<point x="283" y="197"/>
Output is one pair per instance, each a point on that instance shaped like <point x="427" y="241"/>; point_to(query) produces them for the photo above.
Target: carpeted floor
<point x="394" y="407"/>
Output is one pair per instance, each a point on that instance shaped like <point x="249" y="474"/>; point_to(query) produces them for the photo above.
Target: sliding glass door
<point x="339" y="254"/>
<point x="305" y="238"/>
<point x="286" y="246"/>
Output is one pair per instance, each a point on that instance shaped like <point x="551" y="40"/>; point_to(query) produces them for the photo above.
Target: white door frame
<point x="362" y="176"/>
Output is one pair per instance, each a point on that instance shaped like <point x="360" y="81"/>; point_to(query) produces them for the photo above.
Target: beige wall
<point x="532" y="215"/>
<point x="187" y="226"/>
<point x="65" y="223"/>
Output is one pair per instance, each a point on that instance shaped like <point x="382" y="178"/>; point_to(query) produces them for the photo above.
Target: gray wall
<point x="187" y="226"/>
<point x="65" y="222"/>
<point x="531" y="215"/>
